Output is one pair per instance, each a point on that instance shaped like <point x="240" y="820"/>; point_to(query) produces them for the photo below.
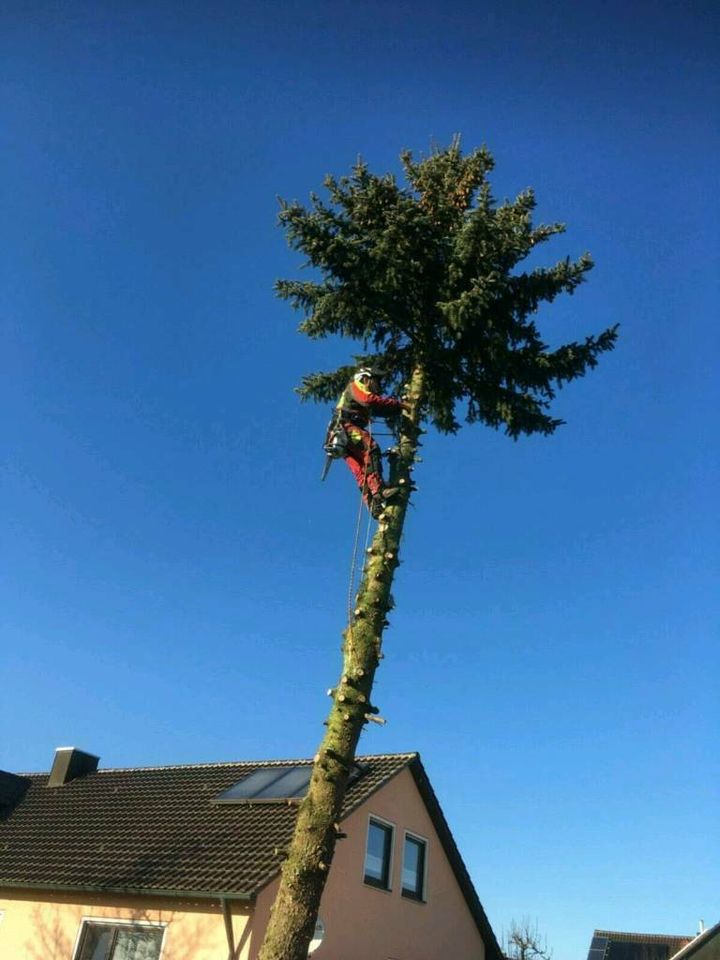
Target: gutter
<point x="218" y="895"/>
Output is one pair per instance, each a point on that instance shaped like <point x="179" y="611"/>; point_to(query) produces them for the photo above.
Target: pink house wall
<point x="365" y="923"/>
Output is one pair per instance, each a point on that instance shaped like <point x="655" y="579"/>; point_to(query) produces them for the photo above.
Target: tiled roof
<point x="155" y="830"/>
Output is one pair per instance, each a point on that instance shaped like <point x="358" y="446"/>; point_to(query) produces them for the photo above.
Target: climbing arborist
<point x="360" y="401"/>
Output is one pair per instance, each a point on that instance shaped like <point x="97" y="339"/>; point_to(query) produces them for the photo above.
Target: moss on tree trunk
<point x="305" y="871"/>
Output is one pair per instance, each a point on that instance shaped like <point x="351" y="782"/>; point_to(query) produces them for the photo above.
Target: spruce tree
<point x="424" y="278"/>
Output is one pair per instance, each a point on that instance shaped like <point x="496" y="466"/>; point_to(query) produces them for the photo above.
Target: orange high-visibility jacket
<point x="357" y="405"/>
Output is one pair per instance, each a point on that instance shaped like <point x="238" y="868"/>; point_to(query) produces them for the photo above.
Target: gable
<point x="364" y="921"/>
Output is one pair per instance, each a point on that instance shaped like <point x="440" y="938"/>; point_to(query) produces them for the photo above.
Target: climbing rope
<point x="358" y="524"/>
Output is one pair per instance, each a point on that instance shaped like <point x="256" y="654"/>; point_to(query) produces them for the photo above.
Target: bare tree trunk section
<point x="305" y="871"/>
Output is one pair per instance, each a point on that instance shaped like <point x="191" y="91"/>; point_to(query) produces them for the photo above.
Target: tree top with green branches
<point x="427" y="274"/>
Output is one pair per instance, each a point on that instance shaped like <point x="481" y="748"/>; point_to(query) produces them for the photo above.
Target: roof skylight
<point x="269" y="783"/>
<point x="275" y="783"/>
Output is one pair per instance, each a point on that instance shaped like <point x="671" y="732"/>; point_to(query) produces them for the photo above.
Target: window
<point x="119" y="941"/>
<point x="413" y="868"/>
<point x="378" y="855"/>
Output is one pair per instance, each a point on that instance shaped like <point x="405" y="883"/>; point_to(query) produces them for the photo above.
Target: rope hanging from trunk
<point x="353" y="562"/>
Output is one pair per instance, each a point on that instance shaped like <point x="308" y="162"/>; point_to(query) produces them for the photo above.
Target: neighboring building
<point x="705" y="946"/>
<point x="181" y="863"/>
<point x="613" y="945"/>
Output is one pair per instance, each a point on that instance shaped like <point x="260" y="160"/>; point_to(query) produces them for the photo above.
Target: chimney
<point x="69" y="764"/>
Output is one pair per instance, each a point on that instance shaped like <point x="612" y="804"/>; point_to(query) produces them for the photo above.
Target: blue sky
<point x="174" y="574"/>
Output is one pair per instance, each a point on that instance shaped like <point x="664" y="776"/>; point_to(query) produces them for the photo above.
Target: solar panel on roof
<point x="269" y="783"/>
<point x="598" y="946"/>
<point x="293" y="783"/>
<point x="275" y="783"/>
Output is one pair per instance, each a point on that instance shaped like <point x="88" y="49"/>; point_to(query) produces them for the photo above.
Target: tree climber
<point x="359" y="402"/>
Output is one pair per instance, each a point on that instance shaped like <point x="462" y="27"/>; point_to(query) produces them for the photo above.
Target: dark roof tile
<point x="157" y="829"/>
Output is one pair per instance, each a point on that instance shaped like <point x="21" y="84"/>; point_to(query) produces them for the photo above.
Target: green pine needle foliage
<point x="427" y="273"/>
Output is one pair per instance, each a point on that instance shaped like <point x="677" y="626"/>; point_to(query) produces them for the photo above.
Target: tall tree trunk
<point x="305" y="871"/>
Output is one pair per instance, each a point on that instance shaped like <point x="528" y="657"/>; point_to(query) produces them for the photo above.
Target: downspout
<point x="229" y="933"/>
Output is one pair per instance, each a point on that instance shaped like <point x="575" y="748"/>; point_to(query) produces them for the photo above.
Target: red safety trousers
<point x="363" y="460"/>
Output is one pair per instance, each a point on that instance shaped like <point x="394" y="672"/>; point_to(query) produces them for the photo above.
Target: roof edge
<point x="643" y="936"/>
<point x="407" y="757"/>
<point x="128" y="891"/>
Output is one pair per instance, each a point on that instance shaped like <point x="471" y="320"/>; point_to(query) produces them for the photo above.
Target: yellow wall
<point x="45" y="926"/>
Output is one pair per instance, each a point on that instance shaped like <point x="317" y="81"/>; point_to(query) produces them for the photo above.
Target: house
<point x="614" y="945"/>
<point x="181" y="863"/>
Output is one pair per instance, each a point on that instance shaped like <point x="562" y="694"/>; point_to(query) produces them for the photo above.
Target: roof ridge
<point x="221" y="764"/>
<point x="646" y="936"/>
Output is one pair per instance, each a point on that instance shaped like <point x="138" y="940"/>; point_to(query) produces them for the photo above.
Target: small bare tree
<point x="524" y="942"/>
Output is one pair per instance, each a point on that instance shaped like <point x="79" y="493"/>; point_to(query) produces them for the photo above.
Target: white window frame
<point x="419" y="839"/>
<point x="116" y="922"/>
<point x="380" y="821"/>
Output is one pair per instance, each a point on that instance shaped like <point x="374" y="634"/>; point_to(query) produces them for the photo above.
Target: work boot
<point x="387" y="493"/>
